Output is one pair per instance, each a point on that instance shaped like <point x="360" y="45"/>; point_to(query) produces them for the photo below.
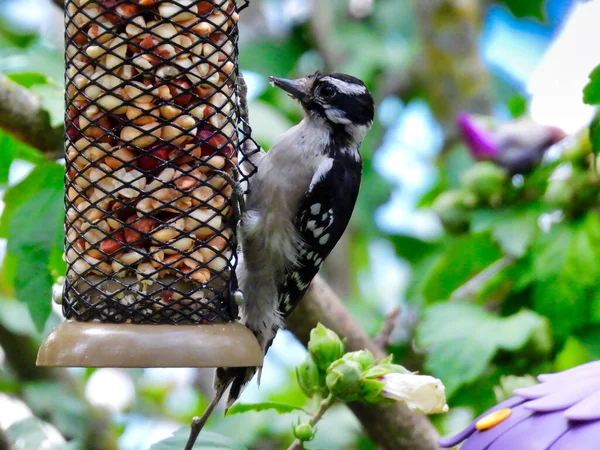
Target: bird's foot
<point x="238" y="201"/>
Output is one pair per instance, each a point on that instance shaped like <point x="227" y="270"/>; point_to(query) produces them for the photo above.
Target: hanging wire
<point x="243" y="4"/>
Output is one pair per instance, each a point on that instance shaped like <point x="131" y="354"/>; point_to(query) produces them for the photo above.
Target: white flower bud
<point x="421" y="393"/>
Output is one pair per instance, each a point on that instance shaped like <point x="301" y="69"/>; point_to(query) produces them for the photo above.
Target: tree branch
<point x="321" y="28"/>
<point x="453" y="76"/>
<point x="382" y="340"/>
<point x="22" y="115"/>
<point x="391" y="427"/>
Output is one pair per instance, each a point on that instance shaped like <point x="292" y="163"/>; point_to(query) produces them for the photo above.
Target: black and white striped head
<point x="341" y="101"/>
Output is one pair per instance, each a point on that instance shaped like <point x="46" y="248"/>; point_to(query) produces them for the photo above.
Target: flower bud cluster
<point x="359" y="376"/>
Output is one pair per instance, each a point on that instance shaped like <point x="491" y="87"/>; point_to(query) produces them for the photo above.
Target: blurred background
<point x="495" y="267"/>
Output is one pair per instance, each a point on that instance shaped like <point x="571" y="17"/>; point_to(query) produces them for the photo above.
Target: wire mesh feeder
<point x="152" y="143"/>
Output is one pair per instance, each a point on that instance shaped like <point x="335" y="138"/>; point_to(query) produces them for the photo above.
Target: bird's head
<point x="341" y="101"/>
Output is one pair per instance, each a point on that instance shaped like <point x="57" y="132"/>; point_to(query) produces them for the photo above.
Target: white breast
<point x="283" y="178"/>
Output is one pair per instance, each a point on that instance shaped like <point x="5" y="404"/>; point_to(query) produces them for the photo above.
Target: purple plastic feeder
<point x="560" y="413"/>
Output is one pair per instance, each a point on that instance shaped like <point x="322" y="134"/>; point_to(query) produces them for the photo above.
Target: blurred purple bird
<point x="518" y="145"/>
<point x="560" y="413"/>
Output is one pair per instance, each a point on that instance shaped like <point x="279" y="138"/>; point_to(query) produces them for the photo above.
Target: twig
<point x="199" y="422"/>
<point x="391" y="427"/>
<point x="468" y="290"/>
<point x="383" y="338"/>
<point x="323" y="407"/>
<point x="22" y="115"/>
<point x="194" y="433"/>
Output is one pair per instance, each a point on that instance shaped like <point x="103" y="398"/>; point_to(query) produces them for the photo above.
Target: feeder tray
<point x="95" y="344"/>
<point x="154" y="140"/>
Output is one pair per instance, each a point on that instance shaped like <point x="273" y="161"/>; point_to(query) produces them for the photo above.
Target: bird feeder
<point x="153" y="137"/>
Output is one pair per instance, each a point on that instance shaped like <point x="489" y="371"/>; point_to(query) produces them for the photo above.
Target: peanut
<point x="119" y="157"/>
<point x="117" y="51"/>
<point x="138" y="92"/>
<point x="165" y="235"/>
<point x="169" y="112"/>
<point x="175" y="11"/>
<point x="143" y="113"/>
<point x="141" y="136"/>
<point x="202" y="223"/>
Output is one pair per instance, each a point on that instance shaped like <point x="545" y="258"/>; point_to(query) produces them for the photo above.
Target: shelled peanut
<point x="151" y="128"/>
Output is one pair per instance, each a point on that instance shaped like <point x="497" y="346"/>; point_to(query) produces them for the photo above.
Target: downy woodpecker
<point x="298" y="206"/>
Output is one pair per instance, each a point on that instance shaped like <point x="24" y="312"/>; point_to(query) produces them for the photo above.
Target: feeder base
<point x="94" y="344"/>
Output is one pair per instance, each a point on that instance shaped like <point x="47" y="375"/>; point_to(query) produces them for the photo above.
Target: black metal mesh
<point x="152" y="129"/>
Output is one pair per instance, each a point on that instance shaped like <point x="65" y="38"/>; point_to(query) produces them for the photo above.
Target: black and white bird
<point x="299" y="204"/>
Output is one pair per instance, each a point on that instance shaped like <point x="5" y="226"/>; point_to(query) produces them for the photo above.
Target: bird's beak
<point x="297" y="89"/>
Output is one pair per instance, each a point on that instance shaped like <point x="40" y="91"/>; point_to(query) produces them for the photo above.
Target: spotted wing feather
<point x="322" y="218"/>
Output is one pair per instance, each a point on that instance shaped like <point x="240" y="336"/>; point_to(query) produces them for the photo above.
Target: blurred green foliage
<point x="529" y="8"/>
<point x="509" y="288"/>
<point x="206" y="441"/>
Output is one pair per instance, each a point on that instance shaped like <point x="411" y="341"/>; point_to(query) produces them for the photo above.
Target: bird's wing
<point x="322" y="217"/>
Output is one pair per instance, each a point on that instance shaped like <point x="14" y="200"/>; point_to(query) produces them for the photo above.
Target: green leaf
<point x="591" y="92"/>
<point x="11" y="37"/>
<point x="517" y="106"/>
<point x="376" y="52"/>
<point x="513" y="229"/>
<point x="276" y="57"/>
<point x="595" y="306"/>
<point x="33" y="223"/>
<point x="34" y="434"/>
<point x="36" y="58"/>
<point x="565" y="272"/>
<point x="52" y="98"/>
<point x="458" y="160"/>
<point x="574" y="353"/>
<point x="9" y="386"/>
<point x="430" y="196"/>
<point x="60" y="405"/>
<point x="11" y="149"/>
<point x="526" y="8"/>
<point x="595" y="133"/>
<point x="28" y="79"/>
<point x="462" y="339"/>
<point x="589" y="338"/>
<point x="280" y="408"/>
<point x="206" y="441"/>
<point x="462" y="259"/>
<point x="33" y="286"/>
<point x="44" y="176"/>
<point x="412" y="249"/>
<point x="15" y="317"/>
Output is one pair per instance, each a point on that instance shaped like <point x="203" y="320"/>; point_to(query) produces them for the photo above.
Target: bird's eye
<point x="327" y="91"/>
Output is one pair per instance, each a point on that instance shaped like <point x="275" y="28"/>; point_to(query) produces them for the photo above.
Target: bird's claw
<point x="238" y="201"/>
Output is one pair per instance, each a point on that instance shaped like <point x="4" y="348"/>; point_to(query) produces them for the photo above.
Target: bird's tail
<point x="237" y="378"/>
